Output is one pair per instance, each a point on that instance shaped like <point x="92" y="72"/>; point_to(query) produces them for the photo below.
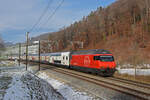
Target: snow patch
<point x="68" y="92"/>
<point x="17" y="90"/>
<point x="132" y="71"/>
<point x="26" y="86"/>
<point x="40" y="89"/>
<point x="140" y="66"/>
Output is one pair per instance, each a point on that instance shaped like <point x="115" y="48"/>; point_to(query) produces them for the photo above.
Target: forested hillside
<point x="123" y="28"/>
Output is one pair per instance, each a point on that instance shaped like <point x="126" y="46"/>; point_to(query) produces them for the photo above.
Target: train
<point x="98" y="61"/>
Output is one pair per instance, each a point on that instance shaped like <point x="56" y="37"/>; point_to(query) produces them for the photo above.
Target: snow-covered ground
<point x="131" y="71"/>
<point x="141" y="69"/>
<point x="24" y="85"/>
<point x="18" y="84"/>
<point x="140" y="66"/>
<point x="68" y="92"/>
<point x="17" y="90"/>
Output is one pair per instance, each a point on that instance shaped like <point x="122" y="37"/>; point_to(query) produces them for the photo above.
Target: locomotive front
<point x="106" y="64"/>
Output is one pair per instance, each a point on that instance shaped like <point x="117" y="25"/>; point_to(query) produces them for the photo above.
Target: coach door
<point x="65" y="58"/>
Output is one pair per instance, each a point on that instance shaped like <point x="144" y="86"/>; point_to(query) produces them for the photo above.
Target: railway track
<point x="139" y="84"/>
<point x="138" y="90"/>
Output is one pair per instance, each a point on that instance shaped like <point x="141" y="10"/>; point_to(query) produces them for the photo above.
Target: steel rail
<point x="139" y="84"/>
<point x="144" y="96"/>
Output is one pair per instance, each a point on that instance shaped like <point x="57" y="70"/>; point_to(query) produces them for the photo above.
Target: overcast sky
<point x="18" y="16"/>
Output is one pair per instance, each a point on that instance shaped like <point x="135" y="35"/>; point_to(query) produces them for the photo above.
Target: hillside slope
<point x="123" y="28"/>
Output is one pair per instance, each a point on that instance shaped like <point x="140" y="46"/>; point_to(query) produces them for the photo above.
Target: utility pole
<point x="39" y="55"/>
<point x="19" y="53"/>
<point x="27" y="35"/>
<point x="7" y="56"/>
<point x="11" y="55"/>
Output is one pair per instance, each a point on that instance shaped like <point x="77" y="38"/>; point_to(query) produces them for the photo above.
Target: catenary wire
<point x="53" y="13"/>
<point x="41" y="16"/>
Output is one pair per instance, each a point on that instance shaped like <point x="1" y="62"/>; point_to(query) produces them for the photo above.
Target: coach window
<point x="66" y="58"/>
<point x="63" y="57"/>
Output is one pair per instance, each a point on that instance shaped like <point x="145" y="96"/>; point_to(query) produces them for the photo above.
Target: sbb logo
<point x="86" y="60"/>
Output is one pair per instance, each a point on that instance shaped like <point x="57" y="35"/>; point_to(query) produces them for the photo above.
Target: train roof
<point x="42" y="54"/>
<point x="45" y="54"/>
<point x="56" y="54"/>
<point x="31" y="54"/>
<point x="94" y="51"/>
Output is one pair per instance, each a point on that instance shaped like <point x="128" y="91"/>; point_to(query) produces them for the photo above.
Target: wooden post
<point x="27" y="35"/>
<point x="19" y="53"/>
<point x="39" y="55"/>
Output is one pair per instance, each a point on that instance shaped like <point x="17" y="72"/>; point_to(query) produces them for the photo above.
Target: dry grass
<point x="138" y="78"/>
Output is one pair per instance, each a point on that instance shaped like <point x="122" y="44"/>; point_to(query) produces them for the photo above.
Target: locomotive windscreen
<point x="104" y="58"/>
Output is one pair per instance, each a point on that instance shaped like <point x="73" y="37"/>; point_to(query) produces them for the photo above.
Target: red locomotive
<point x="97" y="61"/>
